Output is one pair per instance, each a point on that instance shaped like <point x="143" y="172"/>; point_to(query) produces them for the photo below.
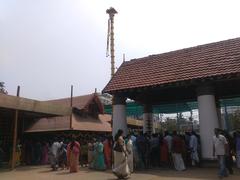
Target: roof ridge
<point x="183" y="50"/>
<point x="70" y="97"/>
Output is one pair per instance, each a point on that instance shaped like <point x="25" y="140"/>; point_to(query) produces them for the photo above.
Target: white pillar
<point x="119" y="115"/>
<point x="208" y="120"/>
<point x="148" y="119"/>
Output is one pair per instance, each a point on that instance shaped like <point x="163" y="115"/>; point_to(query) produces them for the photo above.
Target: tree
<point x="169" y="124"/>
<point x="235" y="119"/>
<point x="2" y="88"/>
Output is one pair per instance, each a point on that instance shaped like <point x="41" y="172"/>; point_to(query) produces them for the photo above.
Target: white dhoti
<point x="194" y="157"/>
<point x="178" y="162"/>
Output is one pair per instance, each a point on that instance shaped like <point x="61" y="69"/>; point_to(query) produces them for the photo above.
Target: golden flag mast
<point x="110" y="35"/>
<point x="111" y="11"/>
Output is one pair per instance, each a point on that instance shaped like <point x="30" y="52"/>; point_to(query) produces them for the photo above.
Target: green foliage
<point x="169" y="124"/>
<point x="2" y="88"/>
<point x="235" y="119"/>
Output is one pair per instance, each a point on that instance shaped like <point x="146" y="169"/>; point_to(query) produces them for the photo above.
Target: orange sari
<point x="73" y="156"/>
<point x="107" y="153"/>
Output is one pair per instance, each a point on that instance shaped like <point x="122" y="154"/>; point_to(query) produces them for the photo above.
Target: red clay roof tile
<point x="80" y="123"/>
<point x="79" y="102"/>
<point x="62" y="123"/>
<point x="202" y="61"/>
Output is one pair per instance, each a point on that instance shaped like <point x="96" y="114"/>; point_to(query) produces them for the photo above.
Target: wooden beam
<point x="15" y="125"/>
<point x="71" y="105"/>
<point x="24" y="104"/>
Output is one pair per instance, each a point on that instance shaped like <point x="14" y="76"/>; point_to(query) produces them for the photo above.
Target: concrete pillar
<point x="119" y="115"/>
<point x="208" y="119"/>
<point x="147" y="119"/>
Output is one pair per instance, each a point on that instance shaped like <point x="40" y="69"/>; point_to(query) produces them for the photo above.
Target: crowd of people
<point x="225" y="147"/>
<point x="144" y="151"/>
<point x="124" y="154"/>
<point x="172" y="150"/>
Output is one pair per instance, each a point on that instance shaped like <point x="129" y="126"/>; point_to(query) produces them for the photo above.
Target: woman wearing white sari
<point x="129" y="147"/>
<point x="120" y="168"/>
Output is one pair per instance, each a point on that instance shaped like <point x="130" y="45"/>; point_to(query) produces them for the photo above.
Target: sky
<point x="48" y="45"/>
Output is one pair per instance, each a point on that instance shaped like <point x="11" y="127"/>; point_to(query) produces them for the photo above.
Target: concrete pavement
<point x="45" y="173"/>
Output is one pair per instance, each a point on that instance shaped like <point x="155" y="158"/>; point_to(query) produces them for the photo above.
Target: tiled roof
<point x="209" y="60"/>
<point x="62" y="123"/>
<point x="59" y="123"/>
<point x="79" y="102"/>
<point x="90" y="124"/>
<point x="79" y="122"/>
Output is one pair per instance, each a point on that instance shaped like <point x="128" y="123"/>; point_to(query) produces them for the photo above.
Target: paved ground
<point x="44" y="173"/>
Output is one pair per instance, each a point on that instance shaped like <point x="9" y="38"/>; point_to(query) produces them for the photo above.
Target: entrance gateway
<point x="205" y="73"/>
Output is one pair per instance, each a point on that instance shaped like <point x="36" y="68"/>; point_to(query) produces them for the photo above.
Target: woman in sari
<point x="90" y="154"/>
<point x="84" y="154"/>
<point x="120" y="169"/>
<point x="129" y="147"/>
<point x="45" y="150"/>
<point x="99" y="163"/>
<point x="164" y="160"/>
<point x="18" y="153"/>
<point x="73" y="151"/>
<point x="108" y="152"/>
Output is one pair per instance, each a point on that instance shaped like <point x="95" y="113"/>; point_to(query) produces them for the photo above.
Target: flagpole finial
<point x="111" y="11"/>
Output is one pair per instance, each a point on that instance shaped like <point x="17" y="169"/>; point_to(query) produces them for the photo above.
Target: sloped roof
<point x="80" y="102"/>
<point x="80" y="122"/>
<point x="209" y="60"/>
<point x="59" y="123"/>
<point x="34" y="106"/>
<point x="90" y="124"/>
<point x="62" y="123"/>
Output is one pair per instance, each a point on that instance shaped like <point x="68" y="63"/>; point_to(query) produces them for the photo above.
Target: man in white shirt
<point x="54" y="150"/>
<point x="193" y="145"/>
<point x="219" y="149"/>
<point x="168" y="138"/>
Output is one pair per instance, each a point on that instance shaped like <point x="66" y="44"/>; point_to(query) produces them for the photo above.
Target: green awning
<point x="135" y="109"/>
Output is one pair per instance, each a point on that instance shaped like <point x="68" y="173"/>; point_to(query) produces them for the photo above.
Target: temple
<point x="205" y="73"/>
<point x="84" y="117"/>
